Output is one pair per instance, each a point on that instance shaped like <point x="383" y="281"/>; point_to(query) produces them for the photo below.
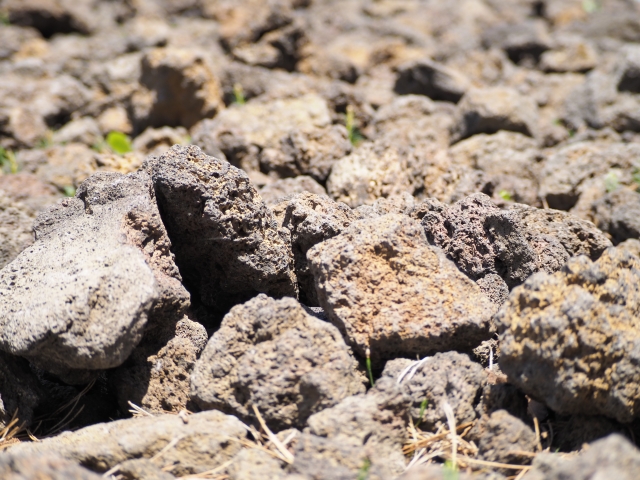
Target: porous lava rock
<point x="99" y="270"/>
<point x="311" y="219"/>
<point x="226" y="241"/>
<point x="569" y="339"/>
<point x="272" y="355"/>
<point x="392" y="293"/>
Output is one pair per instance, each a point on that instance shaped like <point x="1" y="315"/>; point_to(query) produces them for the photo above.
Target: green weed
<point x="450" y="471"/>
<point x="238" y="95"/>
<point x="369" y="371"/>
<point x="591" y="6"/>
<point x="69" y="191"/>
<point x="611" y="181"/>
<point x="423" y="408"/>
<point x="4" y="18"/>
<point x="355" y="137"/>
<point x="119" y="142"/>
<point x="363" y="473"/>
<point x="505" y="195"/>
<point x="46" y="141"/>
<point x="8" y="161"/>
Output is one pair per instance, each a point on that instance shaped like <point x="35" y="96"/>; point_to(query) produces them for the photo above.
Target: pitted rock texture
<point x="45" y="467"/>
<point x="156" y="375"/>
<point x="206" y="440"/>
<point x="391" y="292"/>
<point x="374" y="422"/>
<point x="569" y="339"/>
<point x="99" y="270"/>
<point x="16" y="233"/>
<point x="272" y="355"/>
<point x="611" y="457"/>
<point x="311" y="219"/>
<point x="484" y="240"/>
<point x="227" y="243"/>
<point x="446" y="377"/>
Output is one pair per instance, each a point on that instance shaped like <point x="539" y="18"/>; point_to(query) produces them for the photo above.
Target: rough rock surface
<point x="568" y="339"/>
<point x="156" y="375"/>
<point x="390" y="292"/>
<point x="502" y="437"/>
<point x="46" y="467"/>
<point x="205" y="442"/>
<point x="514" y="243"/>
<point x="446" y="377"/>
<point x="99" y="270"/>
<point x="180" y="89"/>
<point x="611" y="457"/>
<point x="227" y="243"/>
<point x="618" y="213"/>
<point x="16" y="233"/>
<point x="374" y="421"/>
<point x="311" y="219"/>
<point x="431" y="79"/>
<point x="272" y="355"/>
<point x="283" y="188"/>
<point x="487" y="110"/>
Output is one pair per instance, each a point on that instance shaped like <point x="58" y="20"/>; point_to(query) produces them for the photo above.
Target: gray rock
<point x="141" y="469"/>
<point x="156" y="375"/>
<point x="487" y="110"/>
<point x="611" y="457"/>
<point x="629" y="70"/>
<point x="284" y="188"/>
<point x="16" y="234"/>
<point x="429" y="78"/>
<point x="501" y="437"/>
<point x="203" y="441"/>
<point x="227" y="242"/>
<point x="180" y="89"/>
<point x="272" y="355"/>
<point x="480" y="238"/>
<point x="446" y="377"/>
<point x="374" y="422"/>
<point x="547" y="350"/>
<point x="252" y="463"/>
<point x="311" y="151"/>
<point x="49" y="466"/>
<point x="50" y="17"/>
<point x="618" y="213"/>
<point x="100" y="268"/>
<point x="372" y="171"/>
<point x="20" y="392"/>
<point x="523" y="42"/>
<point x="311" y="219"/>
<point x="389" y="291"/>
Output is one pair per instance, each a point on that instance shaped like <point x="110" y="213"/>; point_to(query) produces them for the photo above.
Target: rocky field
<point x="319" y="239"/>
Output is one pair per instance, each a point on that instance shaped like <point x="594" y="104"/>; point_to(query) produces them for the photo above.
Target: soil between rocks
<point x="319" y="239"/>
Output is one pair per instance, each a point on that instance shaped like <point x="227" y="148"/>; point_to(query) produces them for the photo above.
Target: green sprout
<point x="611" y="181"/>
<point x="369" y="371"/>
<point x="363" y="473"/>
<point x="423" y="409"/>
<point x="635" y="176"/>
<point x="69" y="191"/>
<point x="238" y="95"/>
<point x="450" y="471"/>
<point x="505" y="195"/>
<point x="590" y="6"/>
<point x="355" y="137"/>
<point x="8" y="160"/>
<point x="4" y="18"/>
<point x="119" y="142"/>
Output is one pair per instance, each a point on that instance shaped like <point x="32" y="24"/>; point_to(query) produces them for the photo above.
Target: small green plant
<point x="100" y="145"/>
<point x="238" y="95"/>
<point x="591" y="6"/>
<point x="8" y="161"/>
<point x="355" y="137"/>
<point x="611" y="181"/>
<point x="506" y="195"/>
<point x="4" y="18"/>
<point x="450" y="471"/>
<point x="69" y="191"/>
<point x="635" y="176"/>
<point x="423" y="408"/>
<point x="46" y="141"/>
<point x="368" y="362"/>
<point x="363" y="473"/>
<point x="119" y="142"/>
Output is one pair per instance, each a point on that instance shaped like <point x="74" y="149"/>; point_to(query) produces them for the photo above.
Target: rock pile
<point x="309" y="240"/>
